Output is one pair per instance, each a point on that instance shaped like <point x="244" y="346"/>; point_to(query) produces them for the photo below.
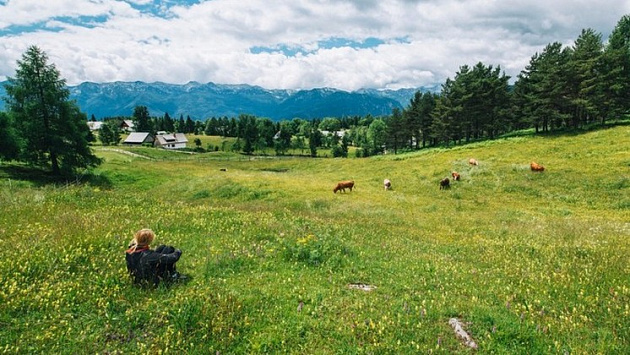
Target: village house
<point x="139" y="138"/>
<point x="171" y="141"/>
<point x="339" y="133"/>
<point x="95" y="125"/>
<point x="127" y="126"/>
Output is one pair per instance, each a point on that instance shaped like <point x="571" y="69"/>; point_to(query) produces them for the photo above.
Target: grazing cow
<point x="473" y="161"/>
<point x="536" y="167"/>
<point x="343" y="185"/>
<point x="445" y="184"/>
<point x="387" y="184"/>
<point x="455" y="175"/>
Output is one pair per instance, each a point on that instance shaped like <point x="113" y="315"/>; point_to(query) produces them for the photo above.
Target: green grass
<point x="532" y="262"/>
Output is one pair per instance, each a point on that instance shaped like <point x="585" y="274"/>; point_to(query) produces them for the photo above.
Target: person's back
<point x="151" y="266"/>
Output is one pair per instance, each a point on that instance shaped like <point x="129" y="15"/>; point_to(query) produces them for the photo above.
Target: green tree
<point x="52" y="127"/>
<point x="247" y="132"/>
<point x="377" y="134"/>
<point x="584" y="83"/>
<point x="110" y="133"/>
<point x="615" y="69"/>
<point x="314" y="140"/>
<point x="283" y="142"/>
<point x="541" y="89"/>
<point x="397" y="134"/>
<point x="9" y="140"/>
<point x="190" y="125"/>
<point x="141" y="119"/>
<point x="330" y="124"/>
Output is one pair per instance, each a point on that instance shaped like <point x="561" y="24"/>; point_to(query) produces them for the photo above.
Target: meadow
<point x="529" y="262"/>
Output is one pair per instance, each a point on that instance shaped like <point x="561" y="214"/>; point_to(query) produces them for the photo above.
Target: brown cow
<point x="473" y="161"/>
<point x="343" y="185"/>
<point x="445" y="184"/>
<point x="536" y="167"/>
<point x="455" y="176"/>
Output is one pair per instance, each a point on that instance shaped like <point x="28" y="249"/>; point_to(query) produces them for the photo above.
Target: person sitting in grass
<point x="148" y="266"/>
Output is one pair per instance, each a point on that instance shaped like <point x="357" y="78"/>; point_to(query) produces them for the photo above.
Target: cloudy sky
<point x="292" y="44"/>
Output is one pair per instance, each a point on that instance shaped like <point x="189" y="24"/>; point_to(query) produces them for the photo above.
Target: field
<point x="529" y="262"/>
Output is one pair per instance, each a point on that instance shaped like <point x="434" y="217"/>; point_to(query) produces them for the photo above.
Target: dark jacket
<point x="151" y="266"/>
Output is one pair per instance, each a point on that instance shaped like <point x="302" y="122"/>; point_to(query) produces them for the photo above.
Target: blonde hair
<point x="142" y="239"/>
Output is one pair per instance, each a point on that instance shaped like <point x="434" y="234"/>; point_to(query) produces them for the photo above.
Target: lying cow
<point x="387" y="184"/>
<point x="445" y="184"/>
<point x="473" y="161"/>
<point x="536" y="167"/>
<point x="343" y="185"/>
<point x="455" y="176"/>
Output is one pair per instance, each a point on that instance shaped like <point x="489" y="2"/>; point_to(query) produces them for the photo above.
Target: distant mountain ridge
<point x="202" y="101"/>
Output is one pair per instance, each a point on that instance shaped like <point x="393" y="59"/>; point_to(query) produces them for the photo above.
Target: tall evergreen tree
<point x="585" y="79"/>
<point x="190" y="125"/>
<point x="247" y="132"/>
<point x="542" y="88"/>
<point x="615" y="63"/>
<point x="141" y="119"/>
<point x="397" y="134"/>
<point x="52" y="127"/>
<point x="414" y="118"/>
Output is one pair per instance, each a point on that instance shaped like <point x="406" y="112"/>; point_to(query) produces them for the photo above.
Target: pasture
<point x="530" y="262"/>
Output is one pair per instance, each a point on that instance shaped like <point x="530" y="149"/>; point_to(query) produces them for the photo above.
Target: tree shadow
<point x="42" y="177"/>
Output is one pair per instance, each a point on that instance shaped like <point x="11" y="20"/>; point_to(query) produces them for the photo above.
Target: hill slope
<point x="529" y="262"/>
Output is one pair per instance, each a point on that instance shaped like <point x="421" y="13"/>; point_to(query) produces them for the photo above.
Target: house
<point x="127" y="125"/>
<point x="95" y="125"/>
<point x="139" y="138"/>
<point x="339" y="133"/>
<point x="171" y="141"/>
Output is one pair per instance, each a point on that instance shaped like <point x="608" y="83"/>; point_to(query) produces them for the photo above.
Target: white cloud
<point x="211" y="40"/>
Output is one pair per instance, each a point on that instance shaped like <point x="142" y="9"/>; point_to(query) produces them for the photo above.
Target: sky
<point x="292" y="44"/>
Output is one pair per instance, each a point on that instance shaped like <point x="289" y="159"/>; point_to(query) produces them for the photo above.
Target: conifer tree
<point x="52" y="127"/>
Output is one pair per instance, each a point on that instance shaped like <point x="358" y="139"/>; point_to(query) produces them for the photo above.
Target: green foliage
<point x="51" y="127"/>
<point x="109" y="133"/>
<point x="141" y="120"/>
<point x="10" y="144"/>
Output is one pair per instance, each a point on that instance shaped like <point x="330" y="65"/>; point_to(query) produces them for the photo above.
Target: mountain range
<point x="201" y="101"/>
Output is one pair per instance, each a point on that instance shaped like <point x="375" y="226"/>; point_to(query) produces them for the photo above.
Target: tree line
<point x="561" y="87"/>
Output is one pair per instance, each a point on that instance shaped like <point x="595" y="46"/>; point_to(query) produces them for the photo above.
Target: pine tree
<point x="52" y="127"/>
<point x="141" y="119"/>
<point x="585" y="78"/>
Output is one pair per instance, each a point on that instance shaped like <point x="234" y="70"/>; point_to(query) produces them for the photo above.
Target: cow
<point x="473" y="161"/>
<point x="343" y="185"/>
<point x="455" y="176"/>
<point x="536" y="167"/>
<point x="445" y="184"/>
<point x="387" y="184"/>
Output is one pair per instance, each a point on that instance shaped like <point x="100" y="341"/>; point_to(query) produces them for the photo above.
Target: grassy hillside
<point x="530" y="262"/>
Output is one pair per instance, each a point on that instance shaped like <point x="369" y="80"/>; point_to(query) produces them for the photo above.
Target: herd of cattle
<point x="444" y="183"/>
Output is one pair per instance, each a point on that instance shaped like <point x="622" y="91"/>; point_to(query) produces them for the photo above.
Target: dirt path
<point x="126" y="152"/>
